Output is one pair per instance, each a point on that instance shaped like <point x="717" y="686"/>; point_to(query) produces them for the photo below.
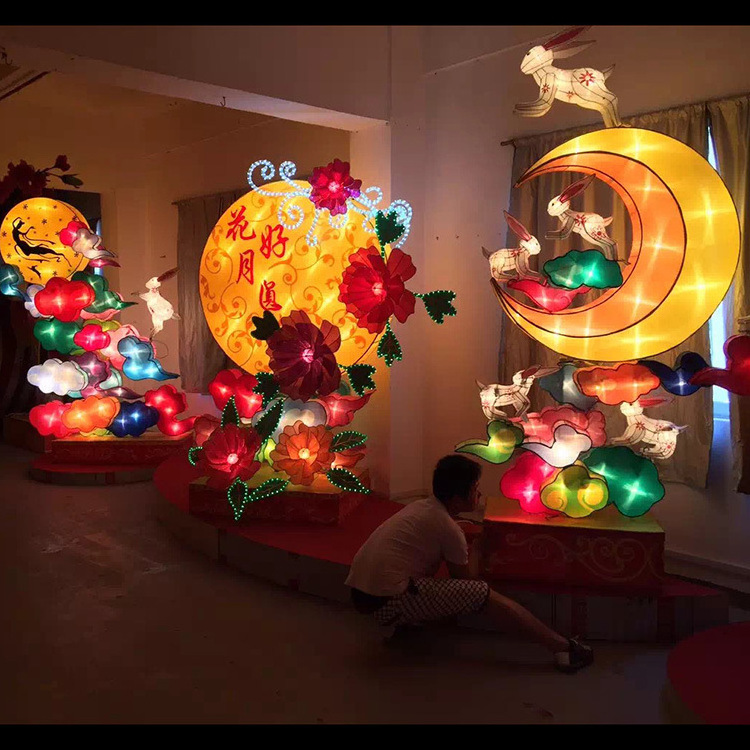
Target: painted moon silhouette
<point x="30" y="240"/>
<point x="251" y="263"/>
<point x="684" y="252"/>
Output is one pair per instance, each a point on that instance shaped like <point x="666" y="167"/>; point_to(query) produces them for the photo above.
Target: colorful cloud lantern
<point x="575" y="491"/>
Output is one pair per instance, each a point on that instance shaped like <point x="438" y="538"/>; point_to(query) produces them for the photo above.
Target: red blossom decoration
<point x="23" y="181"/>
<point x="302" y="452"/>
<point x="340" y="409"/>
<point x="47" y="418"/>
<point x="229" y="454"/>
<point x="204" y="427"/>
<point x="332" y="186"/>
<point x="61" y="163"/>
<point x="63" y="299"/>
<point x="373" y="289"/>
<point x="239" y="384"/>
<point x="302" y="356"/>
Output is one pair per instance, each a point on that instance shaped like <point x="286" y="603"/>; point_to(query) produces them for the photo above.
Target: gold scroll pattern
<point x="250" y="259"/>
<point x="609" y="559"/>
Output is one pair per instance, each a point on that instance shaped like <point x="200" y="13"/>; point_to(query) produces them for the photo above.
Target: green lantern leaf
<point x="439" y="304"/>
<point x="387" y="227"/>
<point x="502" y="439"/>
<point x="194" y="453"/>
<point x="633" y="481"/>
<point x="388" y="347"/>
<point x="267" y="387"/>
<point x="71" y="179"/>
<point x="345" y="480"/>
<point x="230" y="415"/>
<point x="54" y="335"/>
<point x="238" y="497"/>
<point x="270" y="420"/>
<point x="342" y="441"/>
<point x="583" y="268"/>
<point x="265" y="327"/>
<point x="269" y="488"/>
<point x="360" y="376"/>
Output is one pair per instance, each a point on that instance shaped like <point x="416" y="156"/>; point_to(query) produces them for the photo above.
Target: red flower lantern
<point x="332" y="186"/>
<point x="229" y="454"/>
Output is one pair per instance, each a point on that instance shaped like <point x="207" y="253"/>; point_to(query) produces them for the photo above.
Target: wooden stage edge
<point x="679" y="611"/>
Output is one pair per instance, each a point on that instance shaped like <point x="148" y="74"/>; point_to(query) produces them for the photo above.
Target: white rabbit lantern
<point x="495" y="395"/>
<point x="585" y="87"/>
<point x="659" y="435"/>
<point x="590" y="226"/>
<point x="508" y="262"/>
<point x="161" y="310"/>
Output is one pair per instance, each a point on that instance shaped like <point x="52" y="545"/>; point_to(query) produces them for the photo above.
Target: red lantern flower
<point x="349" y="458"/>
<point x="302" y="356"/>
<point x="229" y="454"/>
<point x="373" y="289"/>
<point x="63" y="299"/>
<point x="340" y="409"/>
<point x="204" y="427"/>
<point x="302" y="452"/>
<point x="61" y="163"/>
<point x="234" y="382"/>
<point x="332" y="186"/>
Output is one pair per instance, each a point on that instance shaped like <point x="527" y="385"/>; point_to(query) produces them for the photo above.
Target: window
<point x="717" y="330"/>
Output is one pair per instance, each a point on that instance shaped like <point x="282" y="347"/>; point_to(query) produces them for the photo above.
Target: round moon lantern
<point x="261" y="257"/>
<point x="685" y="248"/>
<point x="30" y="240"/>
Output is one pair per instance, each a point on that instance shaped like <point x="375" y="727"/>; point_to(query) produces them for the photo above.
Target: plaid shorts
<point x="429" y="599"/>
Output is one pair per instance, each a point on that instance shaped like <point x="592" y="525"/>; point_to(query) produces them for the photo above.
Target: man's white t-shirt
<point x="410" y="544"/>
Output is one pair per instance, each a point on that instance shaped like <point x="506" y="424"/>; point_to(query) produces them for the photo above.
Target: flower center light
<point x="232" y="458"/>
<point x="308" y="355"/>
<point x="304" y="454"/>
<point x="333" y="186"/>
<point x="378" y="290"/>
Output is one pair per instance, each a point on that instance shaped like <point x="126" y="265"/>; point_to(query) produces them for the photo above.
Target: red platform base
<point x="315" y="559"/>
<point x="708" y="675"/>
<point x="320" y="503"/>
<point x="605" y="550"/>
<point x="106" y="460"/>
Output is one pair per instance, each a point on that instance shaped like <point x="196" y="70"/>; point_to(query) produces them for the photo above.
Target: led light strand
<point x="347" y="439"/>
<point x="345" y="480"/>
<point x="193" y="454"/>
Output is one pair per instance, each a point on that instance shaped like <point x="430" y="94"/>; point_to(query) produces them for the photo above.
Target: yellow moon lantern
<point x="252" y="263"/>
<point x="30" y="240"/>
<point x="685" y="249"/>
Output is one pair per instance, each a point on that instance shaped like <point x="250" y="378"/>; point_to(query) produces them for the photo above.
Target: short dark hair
<point x="454" y="475"/>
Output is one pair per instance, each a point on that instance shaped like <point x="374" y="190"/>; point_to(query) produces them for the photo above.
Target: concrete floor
<point x="107" y="618"/>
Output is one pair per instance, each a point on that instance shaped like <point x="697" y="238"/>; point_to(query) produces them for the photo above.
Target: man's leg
<point x="503" y="611"/>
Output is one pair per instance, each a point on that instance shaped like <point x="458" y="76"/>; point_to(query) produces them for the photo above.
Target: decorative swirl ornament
<point x="291" y="214"/>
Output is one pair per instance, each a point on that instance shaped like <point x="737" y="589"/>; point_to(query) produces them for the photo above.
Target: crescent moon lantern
<point x="684" y="253"/>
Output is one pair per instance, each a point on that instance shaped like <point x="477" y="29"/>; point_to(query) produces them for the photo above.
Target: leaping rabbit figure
<point x="591" y="227"/>
<point x="659" y="434"/>
<point x="496" y="395"/>
<point x="510" y="262"/>
<point x="585" y="87"/>
<point x="161" y="310"/>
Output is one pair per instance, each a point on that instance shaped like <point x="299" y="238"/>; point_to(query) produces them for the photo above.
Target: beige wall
<point x="448" y="100"/>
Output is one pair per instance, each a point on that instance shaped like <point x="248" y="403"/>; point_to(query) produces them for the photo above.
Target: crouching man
<point x="393" y="575"/>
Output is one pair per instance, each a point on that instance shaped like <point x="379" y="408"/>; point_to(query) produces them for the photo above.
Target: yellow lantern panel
<point x="30" y="240"/>
<point x="252" y="263"/>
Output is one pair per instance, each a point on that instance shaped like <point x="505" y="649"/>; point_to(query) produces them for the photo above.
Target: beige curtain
<point x="200" y="356"/>
<point x="730" y="127"/>
<point x="529" y="204"/>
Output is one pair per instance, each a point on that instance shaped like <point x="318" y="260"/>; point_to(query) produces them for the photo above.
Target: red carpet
<point x="336" y="544"/>
<point x="710" y="672"/>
